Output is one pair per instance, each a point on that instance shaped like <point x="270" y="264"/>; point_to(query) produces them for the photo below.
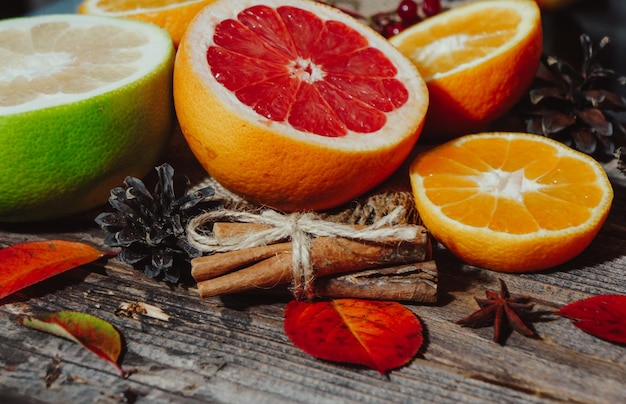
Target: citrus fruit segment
<point x="173" y="15"/>
<point x="477" y="59"/>
<point x="294" y="104"/>
<point x="511" y="202"/>
<point x="84" y="102"/>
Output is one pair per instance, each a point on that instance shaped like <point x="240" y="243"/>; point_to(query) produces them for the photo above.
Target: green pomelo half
<point x="62" y="151"/>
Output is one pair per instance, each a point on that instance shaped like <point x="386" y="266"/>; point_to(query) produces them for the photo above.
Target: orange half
<point x="477" y="59"/>
<point x="511" y="202"/>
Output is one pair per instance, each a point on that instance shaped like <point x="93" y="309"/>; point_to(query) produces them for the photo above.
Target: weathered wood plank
<point x="233" y="348"/>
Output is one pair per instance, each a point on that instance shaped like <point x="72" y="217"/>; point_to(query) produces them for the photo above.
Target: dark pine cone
<point x="150" y="228"/>
<point x="621" y="158"/>
<point x="574" y="106"/>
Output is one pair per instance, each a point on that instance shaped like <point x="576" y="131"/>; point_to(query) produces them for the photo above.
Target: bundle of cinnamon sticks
<point x="390" y="268"/>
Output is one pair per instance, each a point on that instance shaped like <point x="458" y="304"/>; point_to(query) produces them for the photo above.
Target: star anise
<point x="150" y="227"/>
<point x="576" y="106"/>
<point x="501" y="310"/>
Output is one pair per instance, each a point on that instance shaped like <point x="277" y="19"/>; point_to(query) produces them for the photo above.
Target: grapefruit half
<point x="293" y="104"/>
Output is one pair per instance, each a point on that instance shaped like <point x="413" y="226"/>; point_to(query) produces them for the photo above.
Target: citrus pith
<point x="172" y="15"/>
<point x="75" y="122"/>
<point x="478" y="59"/>
<point x="305" y="110"/>
<point x="511" y="202"/>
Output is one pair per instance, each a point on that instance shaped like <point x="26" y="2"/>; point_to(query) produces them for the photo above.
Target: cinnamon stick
<point x="329" y="256"/>
<point x="223" y="263"/>
<point x="416" y="282"/>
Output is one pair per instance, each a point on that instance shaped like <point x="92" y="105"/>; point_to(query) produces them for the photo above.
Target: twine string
<point x="299" y="228"/>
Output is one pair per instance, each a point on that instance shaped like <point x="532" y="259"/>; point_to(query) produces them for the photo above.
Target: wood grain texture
<point x="233" y="349"/>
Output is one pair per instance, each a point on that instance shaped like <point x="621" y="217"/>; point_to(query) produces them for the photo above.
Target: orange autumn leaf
<point x="25" y="264"/>
<point x="93" y="333"/>
<point x="380" y="335"/>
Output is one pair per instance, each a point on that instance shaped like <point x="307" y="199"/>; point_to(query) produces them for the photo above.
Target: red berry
<point x="428" y="8"/>
<point x="393" y="29"/>
<point x="407" y="11"/>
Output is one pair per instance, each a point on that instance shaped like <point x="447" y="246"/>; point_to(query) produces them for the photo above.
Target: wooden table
<point x="234" y="349"/>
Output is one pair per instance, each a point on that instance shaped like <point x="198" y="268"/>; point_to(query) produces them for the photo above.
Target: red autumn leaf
<point x="93" y="333"/>
<point x="380" y="335"/>
<point x="603" y="316"/>
<point x="25" y="264"/>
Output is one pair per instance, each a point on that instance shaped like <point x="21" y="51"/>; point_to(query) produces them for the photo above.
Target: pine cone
<point x="151" y="228"/>
<point x="574" y="106"/>
<point x="620" y="154"/>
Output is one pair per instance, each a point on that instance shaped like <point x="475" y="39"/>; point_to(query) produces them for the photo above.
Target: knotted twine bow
<point x="299" y="228"/>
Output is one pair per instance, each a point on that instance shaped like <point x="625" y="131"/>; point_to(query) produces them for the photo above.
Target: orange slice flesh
<point x="509" y="201"/>
<point x="173" y="15"/>
<point x="123" y="6"/>
<point x="478" y="59"/>
<point x="448" y="47"/>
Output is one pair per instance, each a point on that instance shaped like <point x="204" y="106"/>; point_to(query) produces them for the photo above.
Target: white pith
<point x="306" y="70"/>
<point x="400" y="122"/>
<point x="62" y="59"/>
<point x="446" y="46"/>
<point x="504" y="184"/>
